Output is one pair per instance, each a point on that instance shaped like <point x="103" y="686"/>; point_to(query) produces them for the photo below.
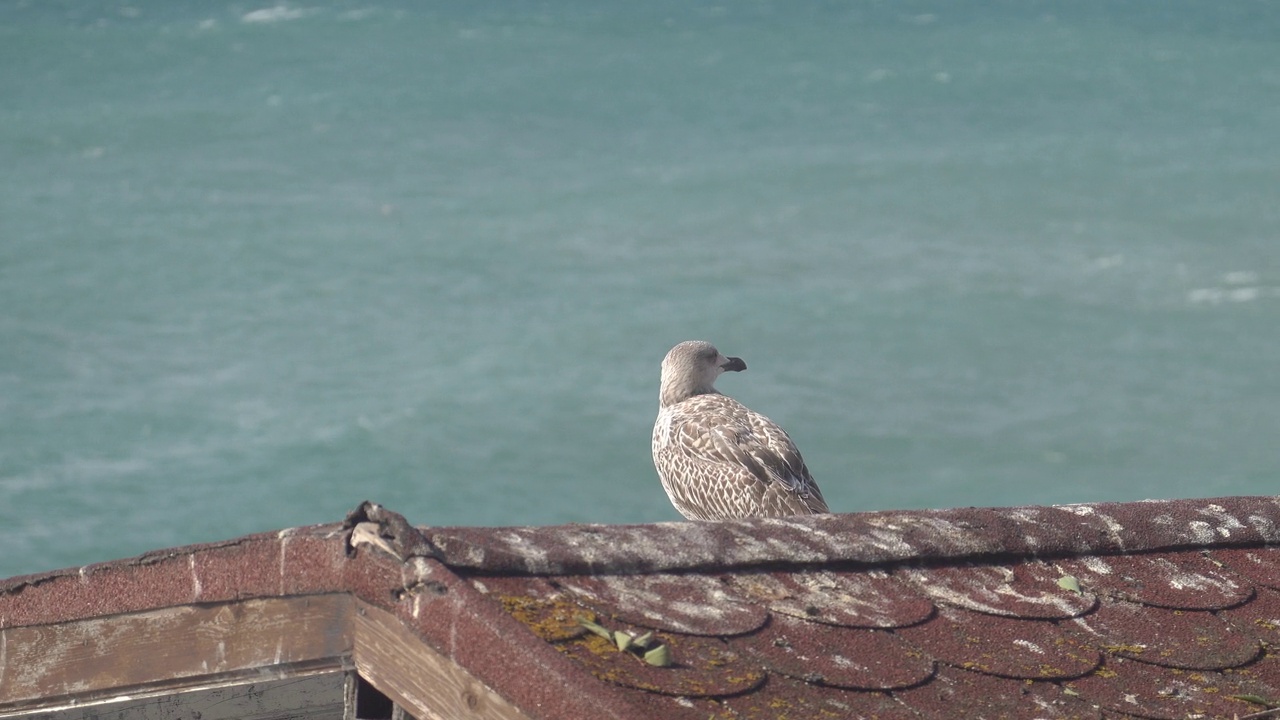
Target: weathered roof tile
<point x="1188" y="640"/>
<point x="1146" y="691"/>
<point x="238" y="570"/>
<point x="1260" y="679"/>
<point x="1008" y="647"/>
<point x="1259" y="567"/>
<point x="692" y="604"/>
<point x="956" y="693"/>
<point x="1260" y="617"/>
<point x="1020" y="590"/>
<point x="783" y="698"/>
<point x="1158" y="523"/>
<point x="852" y="658"/>
<point x="1180" y="581"/>
<point x="312" y="561"/>
<point x="868" y="599"/>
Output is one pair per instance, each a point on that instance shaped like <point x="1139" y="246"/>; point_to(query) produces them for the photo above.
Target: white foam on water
<point x="1217" y="296"/>
<point x="279" y="13"/>
<point x="1240" y="277"/>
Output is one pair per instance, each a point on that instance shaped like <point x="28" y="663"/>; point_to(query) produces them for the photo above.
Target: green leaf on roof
<point x="596" y="628"/>
<point x="659" y="656"/>
<point x="622" y="640"/>
<point x="1255" y="699"/>
<point x="1069" y="582"/>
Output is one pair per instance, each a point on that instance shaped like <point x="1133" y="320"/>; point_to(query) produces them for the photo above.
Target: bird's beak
<point x="734" y="365"/>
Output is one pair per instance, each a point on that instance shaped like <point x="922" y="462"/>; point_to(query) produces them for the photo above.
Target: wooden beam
<point x="424" y="682"/>
<point x="316" y="696"/>
<point x="172" y="648"/>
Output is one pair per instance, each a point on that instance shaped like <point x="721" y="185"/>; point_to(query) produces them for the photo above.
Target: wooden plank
<point x="425" y="683"/>
<point x="171" y="648"/>
<point x="317" y="696"/>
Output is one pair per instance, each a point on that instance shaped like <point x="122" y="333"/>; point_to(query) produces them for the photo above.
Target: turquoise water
<point x="261" y="262"/>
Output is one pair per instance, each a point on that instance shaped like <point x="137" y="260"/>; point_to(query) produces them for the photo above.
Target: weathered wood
<point x="349" y="696"/>
<point x="317" y="696"/>
<point x="425" y="683"/>
<point x="167" y="662"/>
<point x="172" y="648"/>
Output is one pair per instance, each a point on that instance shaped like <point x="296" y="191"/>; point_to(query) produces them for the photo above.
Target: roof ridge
<point x="882" y="537"/>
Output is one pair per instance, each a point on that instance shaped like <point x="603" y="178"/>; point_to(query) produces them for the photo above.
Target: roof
<point x="1157" y="609"/>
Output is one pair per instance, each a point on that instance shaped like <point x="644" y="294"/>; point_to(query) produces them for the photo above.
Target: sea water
<point x="259" y="262"/>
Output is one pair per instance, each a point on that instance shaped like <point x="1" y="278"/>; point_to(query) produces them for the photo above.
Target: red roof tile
<point x="852" y="658"/>
<point x="705" y="607"/>
<point x="1019" y="648"/>
<point x="1157" y="609"/>
<point x="956" y="693"/>
<point x="869" y="599"/>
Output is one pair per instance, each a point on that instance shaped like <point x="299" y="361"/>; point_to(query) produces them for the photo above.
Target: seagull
<point x="717" y="458"/>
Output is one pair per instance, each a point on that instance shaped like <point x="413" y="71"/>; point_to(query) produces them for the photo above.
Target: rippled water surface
<point x="261" y="262"/>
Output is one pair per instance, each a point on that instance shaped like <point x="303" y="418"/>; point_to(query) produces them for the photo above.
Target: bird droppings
<point x="1097" y="565"/>
<point x="702" y="606"/>
<point x="1203" y="531"/>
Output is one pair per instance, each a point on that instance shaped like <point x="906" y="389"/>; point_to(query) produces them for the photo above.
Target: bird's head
<point x="691" y="368"/>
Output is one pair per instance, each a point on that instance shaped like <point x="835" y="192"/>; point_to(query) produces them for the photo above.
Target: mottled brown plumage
<point x="717" y="458"/>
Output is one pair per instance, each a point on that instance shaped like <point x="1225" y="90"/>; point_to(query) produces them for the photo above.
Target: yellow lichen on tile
<point x="1132" y="649"/>
<point x="552" y="620"/>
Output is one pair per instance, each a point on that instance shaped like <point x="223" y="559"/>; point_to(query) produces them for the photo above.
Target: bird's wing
<point x="751" y="453"/>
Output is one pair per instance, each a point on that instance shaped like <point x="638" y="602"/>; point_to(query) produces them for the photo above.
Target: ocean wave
<point x="1233" y="290"/>
<point x="279" y="13"/>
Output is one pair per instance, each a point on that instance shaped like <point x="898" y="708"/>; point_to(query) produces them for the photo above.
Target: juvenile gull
<point x="718" y="459"/>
